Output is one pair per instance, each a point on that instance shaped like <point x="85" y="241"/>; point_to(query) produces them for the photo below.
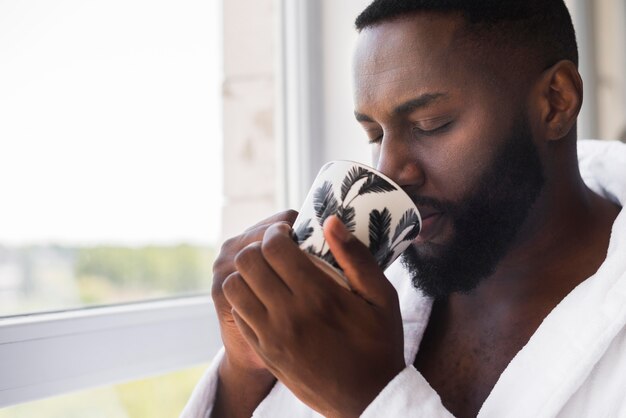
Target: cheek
<point x="455" y="164"/>
<point x="446" y="172"/>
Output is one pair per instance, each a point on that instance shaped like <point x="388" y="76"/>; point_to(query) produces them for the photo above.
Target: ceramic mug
<point x="371" y="206"/>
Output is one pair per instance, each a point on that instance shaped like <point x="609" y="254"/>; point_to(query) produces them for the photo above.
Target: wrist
<point x="240" y="390"/>
<point x="243" y="370"/>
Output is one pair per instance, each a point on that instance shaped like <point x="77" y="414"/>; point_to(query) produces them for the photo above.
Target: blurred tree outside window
<point x="157" y="397"/>
<point x="110" y="151"/>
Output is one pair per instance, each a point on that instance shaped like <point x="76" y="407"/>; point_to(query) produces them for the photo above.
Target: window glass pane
<point x="110" y="150"/>
<point x="158" y="397"/>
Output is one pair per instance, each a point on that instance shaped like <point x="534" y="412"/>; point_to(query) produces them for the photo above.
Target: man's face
<point x="457" y="141"/>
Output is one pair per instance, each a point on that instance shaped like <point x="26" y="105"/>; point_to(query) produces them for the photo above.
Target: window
<point x="111" y="190"/>
<point x="110" y="151"/>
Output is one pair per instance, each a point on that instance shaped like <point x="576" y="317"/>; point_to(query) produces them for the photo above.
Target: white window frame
<point x="48" y="354"/>
<point x="300" y="116"/>
<point x="582" y="17"/>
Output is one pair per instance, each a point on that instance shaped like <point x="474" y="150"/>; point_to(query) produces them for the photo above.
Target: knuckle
<point x="228" y="284"/>
<point x="224" y="261"/>
<point x="218" y="297"/>
<point x="217" y="291"/>
<point x="247" y="255"/>
<point x="231" y="286"/>
<point x="272" y="245"/>
<point x="289" y="216"/>
<point x="325" y="306"/>
<point x="229" y="244"/>
<point x="220" y="265"/>
<point x="251" y="236"/>
<point x="296" y="335"/>
<point x="284" y="229"/>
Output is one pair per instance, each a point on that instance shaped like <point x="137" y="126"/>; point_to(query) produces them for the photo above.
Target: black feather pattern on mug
<point x="381" y="244"/>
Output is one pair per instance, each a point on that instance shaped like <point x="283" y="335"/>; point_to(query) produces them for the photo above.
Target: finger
<point x="226" y="259"/>
<point x="243" y="300"/>
<point x="246" y="330"/>
<point x="224" y="264"/>
<point x="252" y="338"/>
<point x="289" y="261"/>
<point x="359" y="266"/>
<point x="260" y="277"/>
<point x="287" y="216"/>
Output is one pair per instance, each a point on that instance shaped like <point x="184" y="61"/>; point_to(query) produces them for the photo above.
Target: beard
<point x="485" y="224"/>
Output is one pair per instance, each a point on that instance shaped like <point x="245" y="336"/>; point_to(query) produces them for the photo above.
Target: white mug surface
<point x="371" y="206"/>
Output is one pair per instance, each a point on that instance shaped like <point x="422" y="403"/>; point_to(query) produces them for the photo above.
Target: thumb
<point x="359" y="266"/>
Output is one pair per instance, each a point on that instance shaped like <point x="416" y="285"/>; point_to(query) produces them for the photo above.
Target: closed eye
<point x="374" y="134"/>
<point x="438" y="129"/>
<point x="428" y="127"/>
<point x="375" y="140"/>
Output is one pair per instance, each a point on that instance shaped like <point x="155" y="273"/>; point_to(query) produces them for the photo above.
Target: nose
<point x="397" y="160"/>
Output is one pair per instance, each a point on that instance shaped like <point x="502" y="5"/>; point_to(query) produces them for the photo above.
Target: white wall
<point x="344" y="138"/>
<point x="248" y="94"/>
<point x="610" y="53"/>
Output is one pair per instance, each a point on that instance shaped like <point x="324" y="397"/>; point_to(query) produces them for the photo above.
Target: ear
<point x="561" y="96"/>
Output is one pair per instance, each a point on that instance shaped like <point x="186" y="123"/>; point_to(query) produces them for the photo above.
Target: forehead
<point x="413" y="55"/>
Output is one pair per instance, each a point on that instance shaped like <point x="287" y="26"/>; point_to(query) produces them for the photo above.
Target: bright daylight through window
<point x="110" y="151"/>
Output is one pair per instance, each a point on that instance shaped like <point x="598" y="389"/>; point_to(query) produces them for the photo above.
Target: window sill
<point x="50" y="354"/>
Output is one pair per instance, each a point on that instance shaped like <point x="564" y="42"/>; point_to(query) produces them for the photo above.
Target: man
<point x="511" y="302"/>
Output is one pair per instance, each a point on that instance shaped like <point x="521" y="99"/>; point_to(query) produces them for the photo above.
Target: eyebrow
<point x="408" y="106"/>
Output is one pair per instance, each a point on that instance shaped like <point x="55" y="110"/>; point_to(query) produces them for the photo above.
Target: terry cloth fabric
<point x="574" y="365"/>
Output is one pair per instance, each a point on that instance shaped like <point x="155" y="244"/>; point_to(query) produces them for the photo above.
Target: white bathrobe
<point x="574" y="365"/>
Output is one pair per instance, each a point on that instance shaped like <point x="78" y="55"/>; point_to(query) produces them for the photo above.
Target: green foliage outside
<point x="116" y="274"/>
<point x="177" y="269"/>
<point x="51" y="277"/>
<point x="158" y="397"/>
<point x="163" y="396"/>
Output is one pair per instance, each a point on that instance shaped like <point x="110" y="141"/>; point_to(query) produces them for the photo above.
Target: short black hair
<point x="544" y="26"/>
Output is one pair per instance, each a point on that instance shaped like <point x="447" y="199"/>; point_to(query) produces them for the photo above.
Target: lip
<point x="431" y="224"/>
<point x="426" y="212"/>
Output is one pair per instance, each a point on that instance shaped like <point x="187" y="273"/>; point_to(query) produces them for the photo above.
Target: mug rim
<point x="378" y="173"/>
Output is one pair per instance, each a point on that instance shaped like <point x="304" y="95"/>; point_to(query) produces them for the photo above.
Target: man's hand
<point x="333" y="348"/>
<point x="244" y="378"/>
